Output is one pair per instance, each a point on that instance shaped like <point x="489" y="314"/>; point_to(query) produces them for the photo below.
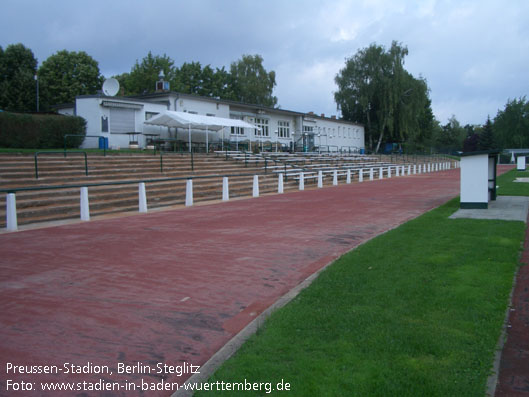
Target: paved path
<point x="513" y="378"/>
<point x="172" y="287"/>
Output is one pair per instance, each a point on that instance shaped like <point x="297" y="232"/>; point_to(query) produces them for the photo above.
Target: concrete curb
<point x="492" y="380"/>
<point x="237" y="341"/>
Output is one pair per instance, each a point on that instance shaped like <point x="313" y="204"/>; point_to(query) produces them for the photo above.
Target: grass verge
<point x="507" y="186"/>
<point x="416" y="311"/>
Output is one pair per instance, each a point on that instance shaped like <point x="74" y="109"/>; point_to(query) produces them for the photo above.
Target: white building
<point x="122" y="121"/>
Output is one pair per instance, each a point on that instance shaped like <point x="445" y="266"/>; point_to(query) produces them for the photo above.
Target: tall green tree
<point x="511" y="125"/>
<point x="486" y="137"/>
<point x="251" y="83"/>
<point x="451" y="136"/>
<point x="190" y="78"/>
<point x="67" y="74"/>
<point x="144" y="75"/>
<point x="374" y="88"/>
<point x="18" y="68"/>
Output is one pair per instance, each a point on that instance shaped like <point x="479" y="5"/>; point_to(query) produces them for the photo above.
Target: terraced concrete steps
<point x="44" y="205"/>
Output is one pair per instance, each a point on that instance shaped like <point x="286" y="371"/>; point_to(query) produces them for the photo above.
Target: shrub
<point x="29" y="131"/>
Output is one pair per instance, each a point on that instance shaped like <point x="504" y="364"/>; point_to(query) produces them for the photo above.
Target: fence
<point x="302" y="175"/>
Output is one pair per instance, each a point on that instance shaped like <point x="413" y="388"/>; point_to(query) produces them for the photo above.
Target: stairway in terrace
<point x="18" y="171"/>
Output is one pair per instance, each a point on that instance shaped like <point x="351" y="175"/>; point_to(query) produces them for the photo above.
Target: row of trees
<point x="509" y="129"/>
<point x="247" y="80"/>
<point x="375" y="89"/>
<point x="67" y="74"/>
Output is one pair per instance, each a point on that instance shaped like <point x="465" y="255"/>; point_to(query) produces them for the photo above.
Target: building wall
<point x="92" y="110"/>
<point x="474" y="179"/>
<point x="193" y="105"/>
<point x="283" y="127"/>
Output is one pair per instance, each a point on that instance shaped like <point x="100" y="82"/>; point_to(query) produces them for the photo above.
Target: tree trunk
<point x="379" y="140"/>
<point x="383" y="127"/>
<point x="369" y="129"/>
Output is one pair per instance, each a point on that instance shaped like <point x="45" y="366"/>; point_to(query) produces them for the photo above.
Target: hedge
<point x="46" y="131"/>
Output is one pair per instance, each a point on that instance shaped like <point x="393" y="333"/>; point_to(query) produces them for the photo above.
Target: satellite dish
<point x="110" y="87"/>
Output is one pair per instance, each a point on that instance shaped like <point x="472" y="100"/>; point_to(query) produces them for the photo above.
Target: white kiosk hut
<point x="520" y="162"/>
<point x="478" y="179"/>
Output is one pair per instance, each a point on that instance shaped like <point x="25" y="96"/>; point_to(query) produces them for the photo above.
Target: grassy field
<point x="414" y="312"/>
<point x="507" y="186"/>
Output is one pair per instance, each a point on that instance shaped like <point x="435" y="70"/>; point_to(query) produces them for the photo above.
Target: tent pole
<point x="189" y="133"/>
<point x="207" y="141"/>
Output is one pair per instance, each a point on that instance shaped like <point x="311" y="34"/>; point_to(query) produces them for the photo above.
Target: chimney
<point x="323" y="115"/>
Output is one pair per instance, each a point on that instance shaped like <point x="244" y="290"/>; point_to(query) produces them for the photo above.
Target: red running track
<point x="174" y="286"/>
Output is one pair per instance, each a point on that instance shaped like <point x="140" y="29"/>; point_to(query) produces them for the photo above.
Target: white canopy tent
<point x="170" y="118"/>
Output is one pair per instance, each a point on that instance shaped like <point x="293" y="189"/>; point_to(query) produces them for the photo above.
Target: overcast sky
<point x="473" y="54"/>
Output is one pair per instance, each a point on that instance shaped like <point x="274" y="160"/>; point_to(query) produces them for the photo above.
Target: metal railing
<point x="55" y="152"/>
<point x="300" y="173"/>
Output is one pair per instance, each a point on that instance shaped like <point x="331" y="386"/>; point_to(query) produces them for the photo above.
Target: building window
<point x="308" y="129"/>
<point x="150" y="115"/>
<point x="263" y="125"/>
<point x="237" y="130"/>
<point x="283" y="129"/>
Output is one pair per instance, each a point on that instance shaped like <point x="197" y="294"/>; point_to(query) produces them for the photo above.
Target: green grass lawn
<point x="507" y="186"/>
<point x="416" y="311"/>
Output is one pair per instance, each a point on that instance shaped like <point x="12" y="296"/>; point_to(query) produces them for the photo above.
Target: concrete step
<point x="38" y="206"/>
<point x="55" y="170"/>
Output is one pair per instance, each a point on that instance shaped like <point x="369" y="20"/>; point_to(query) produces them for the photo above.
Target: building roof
<point x="252" y="107"/>
<point x="165" y="96"/>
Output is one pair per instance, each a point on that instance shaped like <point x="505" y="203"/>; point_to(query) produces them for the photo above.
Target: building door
<point x="122" y="120"/>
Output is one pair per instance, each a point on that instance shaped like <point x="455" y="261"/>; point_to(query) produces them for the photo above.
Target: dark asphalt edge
<point x="492" y="380"/>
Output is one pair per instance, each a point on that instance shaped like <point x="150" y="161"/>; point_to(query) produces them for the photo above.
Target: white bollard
<point x="301" y="181"/>
<point x="255" y="192"/>
<point x="189" y="192"/>
<point x="361" y="175"/>
<point x="335" y="177"/>
<point x="371" y="174"/>
<point x="225" y="189"/>
<point x="320" y="178"/>
<point x="429" y="167"/>
<point x="280" y="183"/>
<point x="397" y="170"/>
<point x="389" y="172"/>
<point x="348" y="176"/>
<point x="11" y="212"/>
<point x="142" y="197"/>
<point x="380" y="173"/>
<point x="85" y="207"/>
<point x="409" y="169"/>
<point x="414" y="169"/>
